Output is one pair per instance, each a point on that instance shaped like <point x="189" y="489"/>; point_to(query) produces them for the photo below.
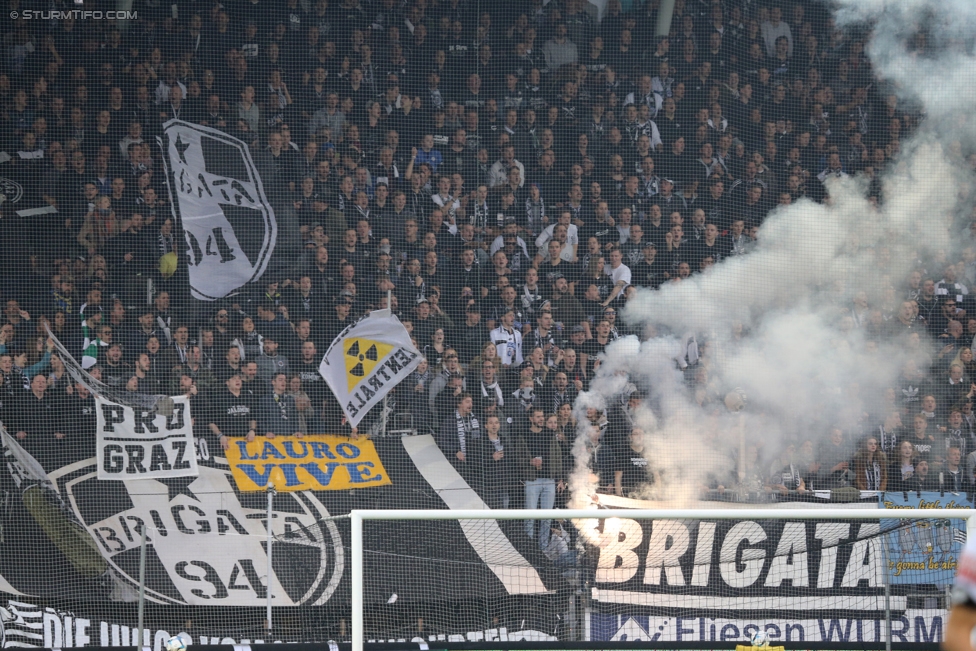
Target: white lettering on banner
<point x="790" y="560"/>
<point x="703" y="549"/>
<point x="829" y="534"/>
<point x="374" y="384"/>
<point x="618" y="562"/>
<point x="218" y="198"/>
<point x="31" y="626"/>
<point x="752" y="560"/>
<point x="210" y="545"/>
<point x="746" y="564"/>
<point x="865" y="563"/>
<point x="914" y="626"/>
<point x="488" y="635"/>
<point x="669" y="542"/>
<point x="28" y="625"/>
<point x="141" y="444"/>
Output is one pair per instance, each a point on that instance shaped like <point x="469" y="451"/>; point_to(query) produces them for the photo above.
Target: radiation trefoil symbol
<point x="361" y="356"/>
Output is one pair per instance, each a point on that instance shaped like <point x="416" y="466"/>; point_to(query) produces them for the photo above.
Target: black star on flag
<point x="179" y="486"/>
<point x="181" y="148"/>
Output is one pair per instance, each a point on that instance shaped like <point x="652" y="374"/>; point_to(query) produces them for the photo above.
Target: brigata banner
<point x="217" y="195"/>
<point x="318" y="463"/>
<point x="368" y="359"/>
<point x="924" y="551"/>
<point x="141" y="444"/>
<point x="714" y="566"/>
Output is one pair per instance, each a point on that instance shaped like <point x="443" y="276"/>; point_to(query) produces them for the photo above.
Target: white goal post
<point x="358" y="517"/>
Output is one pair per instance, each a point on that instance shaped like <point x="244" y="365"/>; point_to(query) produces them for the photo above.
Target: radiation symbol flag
<point x="366" y="361"/>
<point x="361" y="356"/>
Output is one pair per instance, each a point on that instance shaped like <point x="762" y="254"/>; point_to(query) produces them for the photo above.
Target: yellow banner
<point x="318" y="463"/>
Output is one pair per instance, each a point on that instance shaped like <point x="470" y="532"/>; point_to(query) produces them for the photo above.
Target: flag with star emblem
<point x="368" y="359"/>
<point x="217" y="197"/>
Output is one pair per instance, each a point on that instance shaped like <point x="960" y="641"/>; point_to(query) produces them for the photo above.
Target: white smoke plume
<point x="798" y="363"/>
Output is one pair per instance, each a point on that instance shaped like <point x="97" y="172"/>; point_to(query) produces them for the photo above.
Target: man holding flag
<point x="366" y="361"/>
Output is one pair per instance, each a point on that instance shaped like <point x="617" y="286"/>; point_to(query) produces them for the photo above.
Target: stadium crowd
<point x="510" y="172"/>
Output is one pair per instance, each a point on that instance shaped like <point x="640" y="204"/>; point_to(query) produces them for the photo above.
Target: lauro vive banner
<point x="317" y="463"/>
<point x="139" y="444"/>
<point x="368" y="359"/>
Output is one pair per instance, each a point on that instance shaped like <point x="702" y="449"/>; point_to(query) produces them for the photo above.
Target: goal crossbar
<point x="358" y="517"/>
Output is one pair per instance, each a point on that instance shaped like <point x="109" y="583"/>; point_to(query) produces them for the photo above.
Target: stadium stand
<point x="509" y="173"/>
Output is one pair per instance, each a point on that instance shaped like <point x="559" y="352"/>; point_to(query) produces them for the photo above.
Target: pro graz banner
<point x="316" y="462"/>
<point x="368" y="359"/>
<point x="139" y="444"/>
<point x="924" y="551"/>
<point x="219" y="200"/>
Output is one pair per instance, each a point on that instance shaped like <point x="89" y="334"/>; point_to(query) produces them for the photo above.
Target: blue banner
<point x="924" y="551"/>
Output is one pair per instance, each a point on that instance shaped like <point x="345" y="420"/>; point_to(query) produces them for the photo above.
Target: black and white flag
<point x="145" y="444"/>
<point x="24" y="469"/>
<point x="367" y="360"/>
<point x="217" y="197"/>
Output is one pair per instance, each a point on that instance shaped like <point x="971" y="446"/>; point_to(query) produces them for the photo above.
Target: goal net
<point x="692" y="577"/>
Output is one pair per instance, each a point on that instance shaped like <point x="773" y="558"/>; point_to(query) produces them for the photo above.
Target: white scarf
<point x="466" y="425"/>
<point x="500" y="400"/>
<point x="530" y="298"/>
<point x="497" y="444"/>
<point x="873" y="476"/>
<point x="889" y="440"/>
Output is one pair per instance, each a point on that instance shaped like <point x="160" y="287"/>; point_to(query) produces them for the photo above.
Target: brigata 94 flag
<point x="218" y="198"/>
<point x="366" y="361"/>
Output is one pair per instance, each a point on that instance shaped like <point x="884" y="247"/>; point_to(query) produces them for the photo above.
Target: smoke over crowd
<point x="763" y="355"/>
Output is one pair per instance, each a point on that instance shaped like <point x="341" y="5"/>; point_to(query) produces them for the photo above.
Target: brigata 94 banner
<point x="318" y="463"/>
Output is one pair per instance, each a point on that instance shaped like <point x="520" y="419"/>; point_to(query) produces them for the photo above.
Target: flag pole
<point x="386" y="398"/>
<point x="140" y="617"/>
<point x="270" y="595"/>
